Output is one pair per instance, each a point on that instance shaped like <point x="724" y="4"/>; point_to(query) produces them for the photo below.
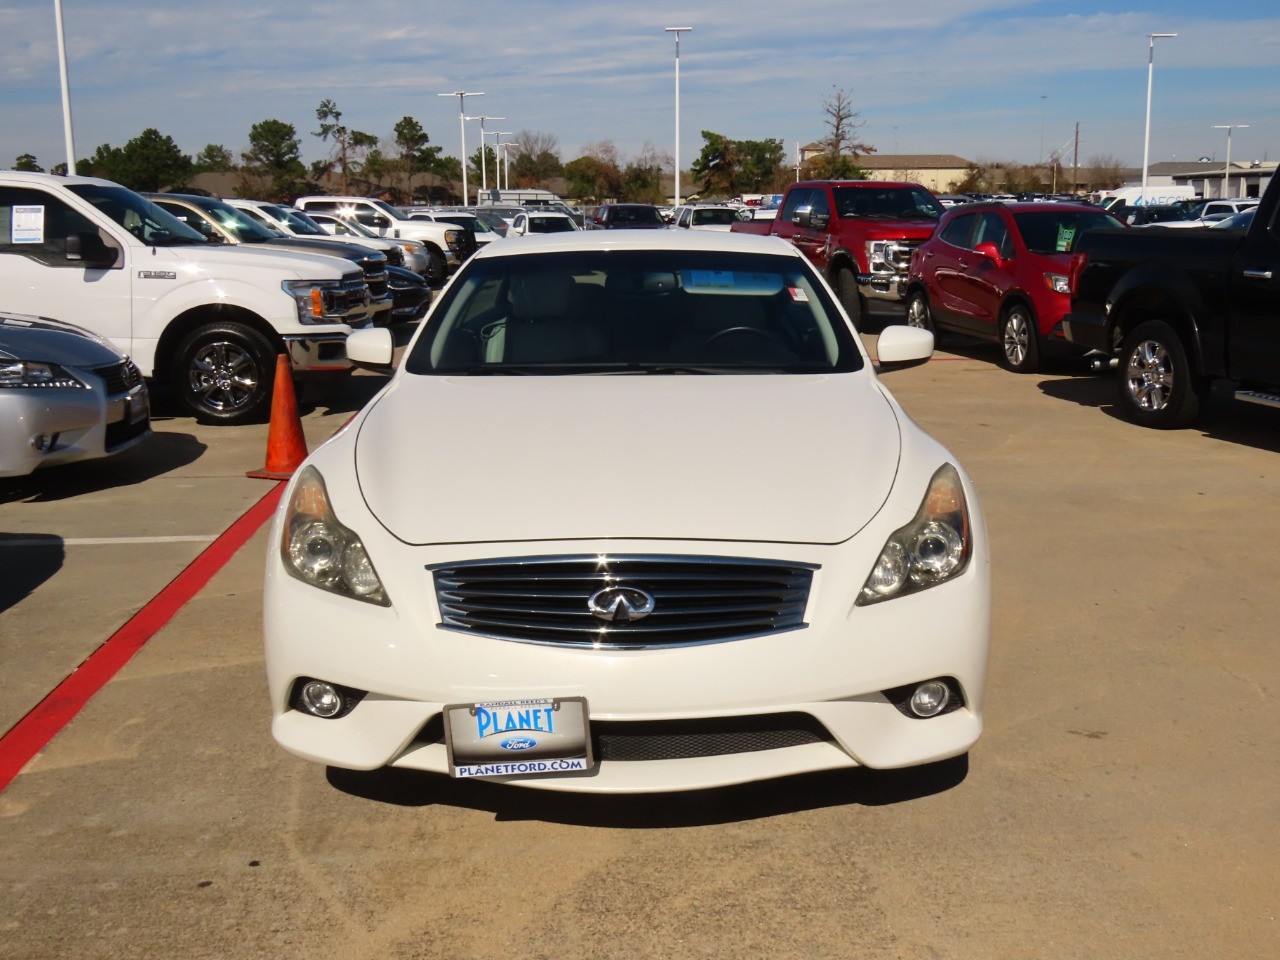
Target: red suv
<point x="999" y="271"/>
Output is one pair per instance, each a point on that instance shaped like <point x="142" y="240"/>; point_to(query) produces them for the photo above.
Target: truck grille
<point x="694" y="599"/>
<point x="119" y="377"/>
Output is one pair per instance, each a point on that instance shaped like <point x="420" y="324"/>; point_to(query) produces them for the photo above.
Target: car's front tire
<point x="846" y="285"/>
<point x="1157" y="387"/>
<point x="1019" y="340"/>
<point x="918" y="313"/>
<point x="223" y="373"/>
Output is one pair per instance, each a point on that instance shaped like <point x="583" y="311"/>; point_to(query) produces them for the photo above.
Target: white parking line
<point x="101" y="541"/>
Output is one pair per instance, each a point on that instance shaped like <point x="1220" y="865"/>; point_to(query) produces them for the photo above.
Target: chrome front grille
<point x="695" y="599"/>
<point x="899" y="255"/>
<point x="119" y="377"/>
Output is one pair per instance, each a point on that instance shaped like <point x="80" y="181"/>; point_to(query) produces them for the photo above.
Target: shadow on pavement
<point x="753" y="801"/>
<point x="26" y="561"/>
<point x="1223" y="418"/>
<point x="158" y="454"/>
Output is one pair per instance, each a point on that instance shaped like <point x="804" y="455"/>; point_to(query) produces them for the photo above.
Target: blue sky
<point x="984" y="79"/>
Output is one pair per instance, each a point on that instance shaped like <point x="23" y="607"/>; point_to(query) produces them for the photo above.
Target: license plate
<point x="518" y="738"/>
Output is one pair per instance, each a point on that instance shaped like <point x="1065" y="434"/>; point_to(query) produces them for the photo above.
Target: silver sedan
<point x="65" y="395"/>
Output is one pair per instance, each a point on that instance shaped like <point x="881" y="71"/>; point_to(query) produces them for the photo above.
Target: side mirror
<point x="989" y="251"/>
<point x="91" y="250"/>
<point x="899" y="347"/>
<point x="371" y="349"/>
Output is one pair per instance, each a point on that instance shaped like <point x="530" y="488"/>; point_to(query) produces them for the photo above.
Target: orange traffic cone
<point x="286" y="446"/>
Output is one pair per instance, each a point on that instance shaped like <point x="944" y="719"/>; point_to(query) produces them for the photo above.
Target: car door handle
<point x="1257" y="274"/>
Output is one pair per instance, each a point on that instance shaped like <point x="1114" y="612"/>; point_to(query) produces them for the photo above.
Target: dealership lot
<point x="1122" y="802"/>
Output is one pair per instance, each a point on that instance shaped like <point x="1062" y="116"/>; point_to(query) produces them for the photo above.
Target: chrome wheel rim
<point x="1149" y="376"/>
<point x="917" y="314"/>
<point x="223" y="376"/>
<point x="1016" y="338"/>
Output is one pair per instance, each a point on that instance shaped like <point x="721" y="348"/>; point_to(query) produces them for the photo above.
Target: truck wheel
<point x="223" y="372"/>
<point x="847" y="292"/>
<point x="1157" y="386"/>
<point x="437" y="269"/>
<point x="918" y="313"/>
<point x="1019" y="340"/>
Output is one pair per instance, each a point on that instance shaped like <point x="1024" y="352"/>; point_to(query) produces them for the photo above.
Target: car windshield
<point x="297" y="221"/>
<point x="887" y="203"/>
<point x="1237" y="221"/>
<point x="395" y="213"/>
<point x="724" y="217"/>
<point x="242" y="227"/>
<point x="344" y="228"/>
<point x="138" y="215"/>
<point x="550" y="225"/>
<point x="635" y="311"/>
<point x="638" y="214"/>
<point x="1056" y="231"/>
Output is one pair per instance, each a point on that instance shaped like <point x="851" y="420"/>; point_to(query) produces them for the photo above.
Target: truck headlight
<point x="934" y="547"/>
<point x="878" y="256"/>
<point x="29" y="373"/>
<point x="319" y="301"/>
<point x="319" y="550"/>
<point x="454" y="239"/>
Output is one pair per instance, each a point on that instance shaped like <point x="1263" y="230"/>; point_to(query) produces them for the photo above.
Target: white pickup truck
<point x="445" y="242"/>
<point x="209" y="320"/>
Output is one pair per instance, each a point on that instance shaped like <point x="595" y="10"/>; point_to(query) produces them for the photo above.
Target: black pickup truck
<point x="1180" y="308"/>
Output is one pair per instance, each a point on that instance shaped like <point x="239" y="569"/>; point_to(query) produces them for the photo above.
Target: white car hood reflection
<point x="783" y="458"/>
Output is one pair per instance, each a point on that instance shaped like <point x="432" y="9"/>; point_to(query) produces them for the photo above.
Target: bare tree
<point x="1105" y="172"/>
<point x="843" y="123"/>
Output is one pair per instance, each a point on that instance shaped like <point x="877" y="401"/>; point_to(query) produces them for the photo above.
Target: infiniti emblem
<point x="621" y="604"/>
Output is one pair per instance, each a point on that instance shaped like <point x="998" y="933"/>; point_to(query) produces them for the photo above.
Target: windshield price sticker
<point x="512" y="738"/>
<point x="27" y="225"/>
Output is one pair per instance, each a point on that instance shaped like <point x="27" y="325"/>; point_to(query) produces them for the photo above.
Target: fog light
<point x="323" y="700"/>
<point x="930" y="699"/>
<point x="41" y="443"/>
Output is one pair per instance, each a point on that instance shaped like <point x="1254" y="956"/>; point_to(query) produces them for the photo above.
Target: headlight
<point x="1057" y="282"/>
<point x="320" y="301"/>
<point x="934" y="547"/>
<point x="319" y="550"/>
<point x="453" y="238"/>
<point x="28" y="373"/>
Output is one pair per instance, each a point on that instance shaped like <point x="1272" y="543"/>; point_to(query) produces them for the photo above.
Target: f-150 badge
<point x="157" y="275"/>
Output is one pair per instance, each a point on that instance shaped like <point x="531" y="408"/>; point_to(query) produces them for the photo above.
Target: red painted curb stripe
<point x="34" y="731"/>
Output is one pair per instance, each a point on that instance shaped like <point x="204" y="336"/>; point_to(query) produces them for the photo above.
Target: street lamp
<point x="462" y="128"/>
<point x="506" y="155"/>
<point x="484" y="176"/>
<point x="677" y="31"/>
<point x="497" y="152"/>
<point x="1226" y="173"/>
<point x="66" y="89"/>
<point x="1146" y="143"/>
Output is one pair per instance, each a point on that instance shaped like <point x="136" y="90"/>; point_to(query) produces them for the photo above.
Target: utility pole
<point x="66" y="89"/>
<point x="1075" y="162"/>
<point x="462" y="129"/>
<point x="677" y="31"/>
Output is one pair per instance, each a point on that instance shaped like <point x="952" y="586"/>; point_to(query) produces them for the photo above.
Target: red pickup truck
<point x="860" y="233"/>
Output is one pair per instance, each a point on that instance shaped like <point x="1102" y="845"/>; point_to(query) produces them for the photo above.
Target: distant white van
<point x="1156" y="196"/>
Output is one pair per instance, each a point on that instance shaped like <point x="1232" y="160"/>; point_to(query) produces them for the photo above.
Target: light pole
<point x="462" y="129"/>
<point x="1040" y="156"/>
<point x="1226" y="173"/>
<point x="677" y="31"/>
<point x="1146" y="142"/>
<point x="506" y="157"/>
<point x="484" y="175"/>
<point x="497" y="152"/>
<point x="66" y="89"/>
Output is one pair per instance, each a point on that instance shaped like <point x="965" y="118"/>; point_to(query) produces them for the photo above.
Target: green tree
<point x="27" y="162"/>
<point x="347" y="146"/>
<point x="717" y="164"/>
<point x="491" y="165"/>
<point x="214" y="158"/>
<point x="733" y="167"/>
<point x="272" y="166"/>
<point x="595" y="176"/>
<point x="148" y="162"/>
<point x="415" y="154"/>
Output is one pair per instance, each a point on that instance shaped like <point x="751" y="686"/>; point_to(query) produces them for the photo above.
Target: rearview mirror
<point x="372" y="349"/>
<point x="901" y="346"/>
<point x="91" y="250"/>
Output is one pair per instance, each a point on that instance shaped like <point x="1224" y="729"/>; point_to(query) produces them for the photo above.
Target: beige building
<point x="937" y="171"/>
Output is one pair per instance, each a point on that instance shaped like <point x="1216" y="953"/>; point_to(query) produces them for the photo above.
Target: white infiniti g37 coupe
<point x="634" y="514"/>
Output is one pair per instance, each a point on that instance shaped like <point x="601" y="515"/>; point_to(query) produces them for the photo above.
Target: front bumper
<point x="833" y="670"/>
<point x="41" y="428"/>
<point x="1090" y="330"/>
<point x="883" y="286"/>
<point x="317" y="352"/>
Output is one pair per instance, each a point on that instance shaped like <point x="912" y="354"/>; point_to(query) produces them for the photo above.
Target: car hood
<point x="800" y="459"/>
<point x="878" y="229"/>
<point x="42" y="340"/>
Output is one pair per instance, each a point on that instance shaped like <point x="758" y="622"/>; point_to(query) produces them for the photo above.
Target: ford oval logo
<point x="518" y="743"/>
<point x="621" y="604"/>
